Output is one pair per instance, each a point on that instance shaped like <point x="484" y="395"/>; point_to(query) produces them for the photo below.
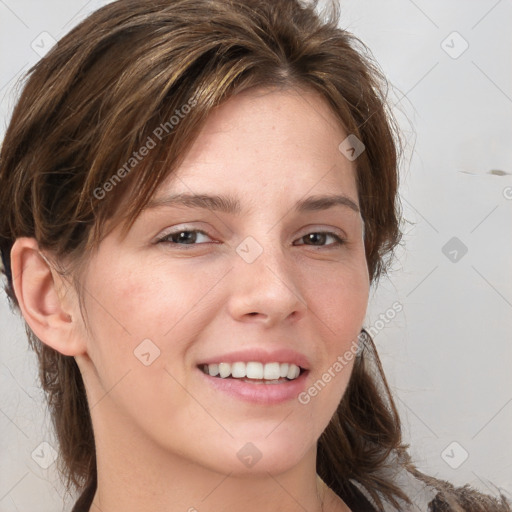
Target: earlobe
<point x="39" y="291"/>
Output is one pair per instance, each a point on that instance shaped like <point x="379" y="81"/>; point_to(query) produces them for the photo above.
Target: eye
<point x="193" y="237"/>
<point x="183" y="237"/>
<point x="318" y="238"/>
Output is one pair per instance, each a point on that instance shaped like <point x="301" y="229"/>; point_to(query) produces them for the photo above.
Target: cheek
<point x="138" y="323"/>
<point x="126" y="307"/>
<point x="139" y="303"/>
<point x="339" y="299"/>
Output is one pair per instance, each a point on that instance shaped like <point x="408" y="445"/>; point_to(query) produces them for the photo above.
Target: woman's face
<point x="249" y="269"/>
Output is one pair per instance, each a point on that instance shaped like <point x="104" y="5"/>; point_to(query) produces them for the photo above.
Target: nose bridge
<point x="264" y="280"/>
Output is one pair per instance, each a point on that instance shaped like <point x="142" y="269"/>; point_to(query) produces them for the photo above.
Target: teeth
<point x="213" y="370"/>
<point x="254" y="370"/>
<point x="224" y="370"/>
<point x="270" y="372"/>
<point x="293" y="372"/>
<point x="238" y="370"/>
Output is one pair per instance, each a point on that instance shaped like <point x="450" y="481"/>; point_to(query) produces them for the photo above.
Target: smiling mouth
<point x="254" y="371"/>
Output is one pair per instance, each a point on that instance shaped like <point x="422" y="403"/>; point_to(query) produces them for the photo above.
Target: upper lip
<point x="264" y="356"/>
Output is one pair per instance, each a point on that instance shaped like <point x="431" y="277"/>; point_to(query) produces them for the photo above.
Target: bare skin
<point x="168" y="438"/>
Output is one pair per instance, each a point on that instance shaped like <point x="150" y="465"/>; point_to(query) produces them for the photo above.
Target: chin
<point x="274" y="454"/>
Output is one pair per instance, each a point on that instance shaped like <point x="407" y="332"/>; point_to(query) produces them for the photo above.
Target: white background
<point x="448" y="354"/>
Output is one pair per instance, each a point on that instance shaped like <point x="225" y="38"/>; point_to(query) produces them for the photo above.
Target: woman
<point x="198" y="196"/>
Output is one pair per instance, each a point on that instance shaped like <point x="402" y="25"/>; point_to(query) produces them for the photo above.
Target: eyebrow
<point x="231" y="205"/>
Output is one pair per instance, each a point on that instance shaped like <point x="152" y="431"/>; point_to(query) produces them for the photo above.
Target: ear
<point x="46" y="300"/>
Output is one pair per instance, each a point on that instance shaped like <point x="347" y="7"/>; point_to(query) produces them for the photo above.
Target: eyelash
<point x="165" y="239"/>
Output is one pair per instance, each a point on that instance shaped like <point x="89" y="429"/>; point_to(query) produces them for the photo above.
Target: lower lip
<point x="259" y="393"/>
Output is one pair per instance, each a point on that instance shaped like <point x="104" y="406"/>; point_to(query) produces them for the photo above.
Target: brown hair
<point x="116" y="80"/>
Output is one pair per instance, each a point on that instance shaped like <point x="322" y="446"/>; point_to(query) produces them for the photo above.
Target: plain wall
<point x="448" y="352"/>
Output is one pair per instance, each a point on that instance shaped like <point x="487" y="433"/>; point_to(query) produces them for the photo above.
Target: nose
<point x="266" y="290"/>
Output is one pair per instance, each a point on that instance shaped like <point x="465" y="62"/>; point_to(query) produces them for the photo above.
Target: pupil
<point x="313" y="236"/>
<point x="186" y="236"/>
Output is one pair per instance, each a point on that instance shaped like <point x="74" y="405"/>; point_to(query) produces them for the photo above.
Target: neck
<point x="135" y="475"/>
<point x="192" y="489"/>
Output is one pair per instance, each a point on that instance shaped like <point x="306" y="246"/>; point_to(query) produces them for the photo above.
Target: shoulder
<point x="465" y="498"/>
<point x="427" y="494"/>
<point x="450" y="498"/>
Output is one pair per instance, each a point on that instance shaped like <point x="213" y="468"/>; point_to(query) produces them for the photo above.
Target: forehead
<point x="265" y="144"/>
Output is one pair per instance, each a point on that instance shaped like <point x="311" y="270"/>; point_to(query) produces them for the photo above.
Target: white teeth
<point x="213" y="369"/>
<point x="224" y="370"/>
<point x="269" y="372"/>
<point x="254" y="370"/>
<point x="293" y="371"/>
<point x="238" y="370"/>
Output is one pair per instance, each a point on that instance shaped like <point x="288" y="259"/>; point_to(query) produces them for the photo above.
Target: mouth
<point x="254" y="372"/>
<point x="256" y="376"/>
